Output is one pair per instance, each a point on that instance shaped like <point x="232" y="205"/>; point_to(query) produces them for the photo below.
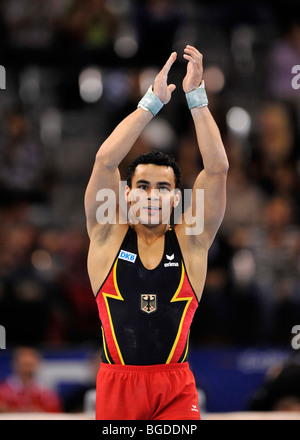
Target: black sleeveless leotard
<point x="146" y="314"/>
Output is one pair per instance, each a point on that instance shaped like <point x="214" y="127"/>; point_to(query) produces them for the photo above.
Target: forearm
<point x="208" y="134"/>
<point x="209" y="140"/>
<point x="119" y="143"/>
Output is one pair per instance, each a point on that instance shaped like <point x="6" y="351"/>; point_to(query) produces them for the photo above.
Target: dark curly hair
<point x="156" y="158"/>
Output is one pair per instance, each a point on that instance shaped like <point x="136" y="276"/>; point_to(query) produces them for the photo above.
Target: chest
<point x="156" y="267"/>
<point x="151" y="255"/>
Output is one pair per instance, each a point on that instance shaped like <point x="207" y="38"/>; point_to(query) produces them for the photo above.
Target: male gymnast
<point x="148" y="277"/>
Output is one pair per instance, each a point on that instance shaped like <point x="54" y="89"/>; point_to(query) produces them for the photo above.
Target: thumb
<point x="171" y="88"/>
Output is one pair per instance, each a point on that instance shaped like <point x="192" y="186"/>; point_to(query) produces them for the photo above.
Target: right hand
<point x="160" y="87"/>
<point x="194" y="73"/>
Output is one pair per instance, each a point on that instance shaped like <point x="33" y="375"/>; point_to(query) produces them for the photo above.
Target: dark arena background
<point x="71" y="70"/>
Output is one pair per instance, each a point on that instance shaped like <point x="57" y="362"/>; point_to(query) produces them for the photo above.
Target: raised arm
<point x="105" y="172"/>
<point x="214" y="175"/>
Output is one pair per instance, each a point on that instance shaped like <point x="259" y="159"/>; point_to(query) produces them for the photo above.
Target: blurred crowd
<point x="49" y="137"/>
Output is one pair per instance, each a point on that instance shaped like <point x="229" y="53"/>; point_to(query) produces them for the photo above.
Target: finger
<point x="190" y="58"/>
<point x="169" y="63"/>
<point x="194" y="53"/>
<point x="193" y="50"/>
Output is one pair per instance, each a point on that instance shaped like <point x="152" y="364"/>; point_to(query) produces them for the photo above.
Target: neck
<point x="150" y="234"/>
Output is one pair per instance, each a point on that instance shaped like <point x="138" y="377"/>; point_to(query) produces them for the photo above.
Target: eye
<point x="144" y="187"/>
<point x="164" y="188"/>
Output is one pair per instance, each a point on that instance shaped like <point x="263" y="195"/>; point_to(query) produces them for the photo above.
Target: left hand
<point x="194" y="74"/>
<point x="160" y="86"/>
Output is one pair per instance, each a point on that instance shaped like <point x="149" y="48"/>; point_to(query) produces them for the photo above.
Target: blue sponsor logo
<point x="127" y="256"/>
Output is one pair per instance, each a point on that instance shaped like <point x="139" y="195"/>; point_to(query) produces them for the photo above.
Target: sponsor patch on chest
<point x="127" y="256"/>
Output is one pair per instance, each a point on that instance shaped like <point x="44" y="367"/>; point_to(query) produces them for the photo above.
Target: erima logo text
<point x="127" y="256"/>
<point x="170" y="258"/>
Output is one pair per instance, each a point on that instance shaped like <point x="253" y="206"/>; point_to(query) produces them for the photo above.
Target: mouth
<point x="152" y="209"/>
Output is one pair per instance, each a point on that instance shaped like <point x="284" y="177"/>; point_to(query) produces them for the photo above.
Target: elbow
<point x="100" y="158"/>
<point x="221" y="167"/>
<point x="225" y="167"/>
<point x="104" y="161"/>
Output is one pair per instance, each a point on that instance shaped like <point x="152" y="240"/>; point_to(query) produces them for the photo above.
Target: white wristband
<point x="151" y="102"/>
<point x="197" y="97"/>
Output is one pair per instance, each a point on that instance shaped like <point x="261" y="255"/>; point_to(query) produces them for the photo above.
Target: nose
<point x="153" y="194"/>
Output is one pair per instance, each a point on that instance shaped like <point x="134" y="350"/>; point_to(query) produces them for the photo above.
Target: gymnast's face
<point x="152" y="195"/>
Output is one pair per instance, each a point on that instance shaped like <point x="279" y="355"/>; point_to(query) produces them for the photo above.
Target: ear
<point x="177" y="197"/>
<point x="127" y="191"/>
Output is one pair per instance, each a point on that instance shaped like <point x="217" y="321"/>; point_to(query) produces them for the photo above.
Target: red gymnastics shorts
<point x="150" y="392"/>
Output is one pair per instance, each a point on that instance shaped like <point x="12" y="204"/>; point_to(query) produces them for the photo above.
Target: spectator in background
<point x="280" y="390"/>
<point x="28" y="298"/>
<point x="21" y="161"/>
<point x="274" y="147"/>
<point x="22" y="392"/>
